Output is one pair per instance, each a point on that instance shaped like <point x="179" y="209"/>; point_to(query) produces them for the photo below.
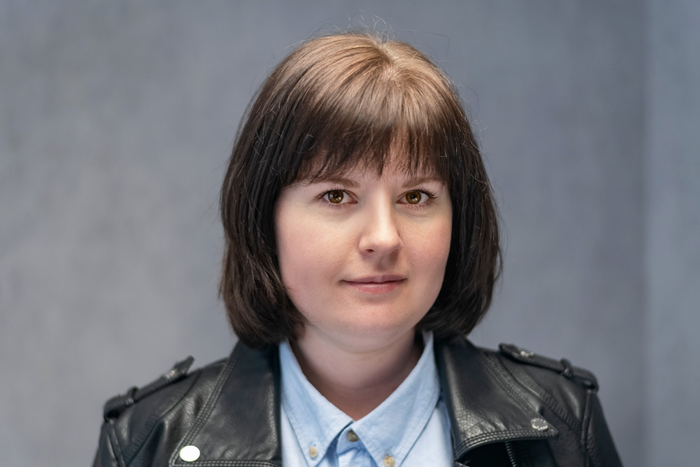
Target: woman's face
<point x="363" y="257"/>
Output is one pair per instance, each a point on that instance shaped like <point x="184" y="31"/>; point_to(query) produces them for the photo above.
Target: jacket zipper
<point x="511" y="454"/>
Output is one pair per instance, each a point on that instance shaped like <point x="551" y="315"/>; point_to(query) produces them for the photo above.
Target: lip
<point x="377" y="284"/>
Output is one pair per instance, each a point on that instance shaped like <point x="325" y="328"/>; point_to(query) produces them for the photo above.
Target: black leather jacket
<point x="507" y="408"/>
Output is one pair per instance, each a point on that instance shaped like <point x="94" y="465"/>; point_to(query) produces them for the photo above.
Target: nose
<point x="380" y="233"/>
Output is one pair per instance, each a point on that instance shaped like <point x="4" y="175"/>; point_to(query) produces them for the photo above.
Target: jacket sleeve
<point x="106" y="456"/>
<point x="598" y="442"/>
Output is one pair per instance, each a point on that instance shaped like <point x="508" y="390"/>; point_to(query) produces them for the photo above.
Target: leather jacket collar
<point x="484" y="402"/>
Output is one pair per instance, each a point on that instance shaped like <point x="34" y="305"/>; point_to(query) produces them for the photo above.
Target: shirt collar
<point x="317" y="422"/>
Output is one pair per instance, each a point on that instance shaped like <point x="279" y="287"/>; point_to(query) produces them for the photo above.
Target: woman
<point x="361" y="249"/>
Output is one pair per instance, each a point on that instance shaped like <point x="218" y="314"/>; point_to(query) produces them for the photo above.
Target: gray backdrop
<point x="116" y="119"/>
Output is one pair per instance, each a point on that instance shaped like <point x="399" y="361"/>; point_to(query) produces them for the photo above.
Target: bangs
<point x="364" y="107"/>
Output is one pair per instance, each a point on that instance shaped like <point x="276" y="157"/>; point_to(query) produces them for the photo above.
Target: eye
<point x="415" y="197"/>
<point x="335" y="196"/>
<point x="419" y="198"/>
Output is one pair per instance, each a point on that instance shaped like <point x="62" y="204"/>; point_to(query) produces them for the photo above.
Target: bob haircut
<point x="338" y="102"/>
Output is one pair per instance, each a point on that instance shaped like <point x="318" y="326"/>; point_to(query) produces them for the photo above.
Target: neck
<point x="356" y="380"/>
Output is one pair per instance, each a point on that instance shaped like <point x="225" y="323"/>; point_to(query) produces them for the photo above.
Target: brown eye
<point x="335" y="196"/>
<point x="413" y="197"/>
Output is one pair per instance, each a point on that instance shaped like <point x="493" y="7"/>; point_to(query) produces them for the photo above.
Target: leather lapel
<point x="483" y="401"/>
<point x="239" y="422"/>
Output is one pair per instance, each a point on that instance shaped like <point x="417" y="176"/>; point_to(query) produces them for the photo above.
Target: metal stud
<point x="539" y="424"/>
<point x="189" y="453"/>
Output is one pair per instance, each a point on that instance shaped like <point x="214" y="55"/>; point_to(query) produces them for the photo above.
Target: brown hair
<point x="335" y="102"/>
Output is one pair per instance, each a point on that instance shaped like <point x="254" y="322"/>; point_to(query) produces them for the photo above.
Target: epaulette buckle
<point x="115" y="405"/>
<point x="563" y="366"/>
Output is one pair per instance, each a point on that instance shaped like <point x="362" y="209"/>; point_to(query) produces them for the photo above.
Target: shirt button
<point x="313" y="452"/>
<point x="189" y="453"/>
<point x="389" y="461"/>
<point x="352" y="436"/>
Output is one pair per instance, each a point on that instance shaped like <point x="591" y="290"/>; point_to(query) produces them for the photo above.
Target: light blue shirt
<point x="409" y="429"/>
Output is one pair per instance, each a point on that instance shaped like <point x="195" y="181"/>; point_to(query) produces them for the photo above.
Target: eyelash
<point x="431" y="196"/>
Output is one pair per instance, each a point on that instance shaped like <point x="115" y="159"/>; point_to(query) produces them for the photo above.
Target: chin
<point x="375" y="327"/>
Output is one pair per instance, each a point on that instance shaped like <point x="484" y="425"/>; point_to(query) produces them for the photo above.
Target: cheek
<point x="431" y="249"/>
<point x="310" y="256"/>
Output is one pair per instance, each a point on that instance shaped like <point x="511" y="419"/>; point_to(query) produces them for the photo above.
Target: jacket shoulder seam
<point x="590" y="449"/>
<point x="116" y="445"/>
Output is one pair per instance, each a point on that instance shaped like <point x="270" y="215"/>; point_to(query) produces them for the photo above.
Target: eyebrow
<point x="419" y="180"/>
<point x="352" y="184"/>
<point x="339" y="180"/>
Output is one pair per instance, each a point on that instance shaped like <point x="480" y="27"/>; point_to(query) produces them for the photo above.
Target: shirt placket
<point x="351" y="452"/>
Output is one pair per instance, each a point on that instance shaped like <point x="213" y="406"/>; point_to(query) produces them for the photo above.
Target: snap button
<point x="189" y="453"/>
<point x="539" y="424"/>
<point x="352" y="436"/>
<point x="313" y="452"/>
<point x="389" y="461"/>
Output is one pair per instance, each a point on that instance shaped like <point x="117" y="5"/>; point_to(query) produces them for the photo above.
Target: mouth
<point x="377" y="284"/>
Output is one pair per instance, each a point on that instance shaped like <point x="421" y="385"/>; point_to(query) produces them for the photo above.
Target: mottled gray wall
<point x="673" y="232"/>
<point x="115" y="123"/>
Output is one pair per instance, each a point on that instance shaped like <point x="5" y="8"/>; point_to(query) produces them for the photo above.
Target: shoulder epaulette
<point x="115" y="405"/>
<point x="563" y="366"/>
